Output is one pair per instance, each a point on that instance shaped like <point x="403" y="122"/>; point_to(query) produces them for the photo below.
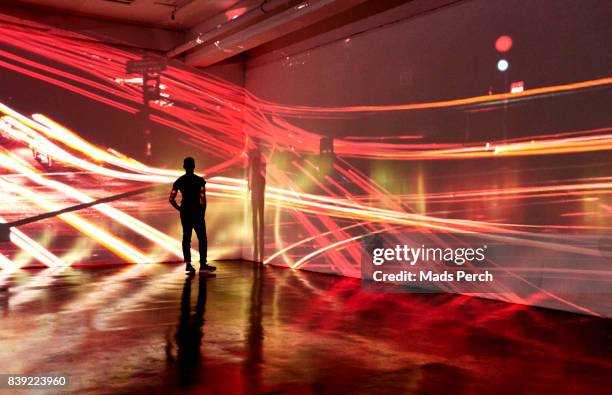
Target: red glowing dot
<point x="503" y="43"/>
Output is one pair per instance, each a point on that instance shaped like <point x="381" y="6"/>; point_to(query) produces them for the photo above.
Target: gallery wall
<point x="423" y="122"/>
<point x="73" y="130"/>
<point x="404" y="130"/>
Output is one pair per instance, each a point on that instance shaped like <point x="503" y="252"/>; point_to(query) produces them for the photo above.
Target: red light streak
<point x="223" y="120"/>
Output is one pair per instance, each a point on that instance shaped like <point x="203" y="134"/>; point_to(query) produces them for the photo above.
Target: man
<point x="192" y="209"/>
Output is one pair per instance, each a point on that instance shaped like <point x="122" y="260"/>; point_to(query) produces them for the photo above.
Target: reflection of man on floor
<point x="192" y="209"/>
<point x="189" y="333"/>
<point x="257" y="187"/>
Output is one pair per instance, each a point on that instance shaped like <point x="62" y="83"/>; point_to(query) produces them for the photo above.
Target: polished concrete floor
<point x="263" y="330"/>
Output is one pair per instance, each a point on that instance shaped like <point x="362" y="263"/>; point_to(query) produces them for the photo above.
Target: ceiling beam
<point x="296" y="17"/>
<point x="109" y="32"/>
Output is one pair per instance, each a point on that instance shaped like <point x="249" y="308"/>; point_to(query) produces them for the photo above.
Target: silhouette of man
<point x="257" y="187"/>
<point x="192" y="209"/>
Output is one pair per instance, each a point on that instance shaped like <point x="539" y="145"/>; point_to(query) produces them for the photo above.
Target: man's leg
<point x="200" y="230"/>
<point x="187" y="226"/>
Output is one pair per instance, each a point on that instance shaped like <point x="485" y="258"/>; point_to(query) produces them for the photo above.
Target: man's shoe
<point x="189" y="269"/>
<point x="205" y="267"/>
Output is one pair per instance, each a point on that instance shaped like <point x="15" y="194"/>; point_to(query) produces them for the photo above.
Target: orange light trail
<point x="119" y="247"/>
<point x="325" y="214"/>
<point x="31" y="247"/>
<point x="170" y="244"/>
<point x="503" y="97"/>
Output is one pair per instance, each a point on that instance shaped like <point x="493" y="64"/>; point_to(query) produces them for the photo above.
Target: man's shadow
<point x="257" y="188"/>
<point x="189" y="332"/>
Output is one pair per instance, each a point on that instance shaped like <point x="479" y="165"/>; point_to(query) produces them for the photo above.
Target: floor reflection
<point x="255" y="329"/>
<point x="251" y="367"/>
<point x="189" y="333"/>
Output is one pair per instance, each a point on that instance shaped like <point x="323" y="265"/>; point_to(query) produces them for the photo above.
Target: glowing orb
<point x="503" y="43"/>
<point x="503" y="65"/>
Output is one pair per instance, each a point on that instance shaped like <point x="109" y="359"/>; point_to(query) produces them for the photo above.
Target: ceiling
<point x="204" y="32"/>
<point x="152" y="13"/>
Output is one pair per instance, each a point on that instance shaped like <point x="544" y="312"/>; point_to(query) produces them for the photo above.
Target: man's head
<point x="189" y="164"/>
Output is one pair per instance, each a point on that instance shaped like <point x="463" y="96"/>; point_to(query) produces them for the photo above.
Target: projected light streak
<point x="163" y="121"/>
<point x="220" y="118"/>
<point x="511" y="271"/>
<point x="27" y="135"/>
<point x="154" y="175"/>
<point x="459" y="226"/>
<point x="63" y="74"/>
<point x="331" y="246"/>
<point x="326" y="221"/>
<point x="448" y="288"/>
<point x="119" y="247"/>
<point x="30" y="136"/>
<point x="44" y="145"/>
<point x="508" y="293"/>
<point x="501" y="97"/>
<point x="225" y="117"/>
<point x="456" y="226"/>
<point x="6" y="268"/>
<point x="301" y="203"/>
<point x="544" y="199"/>
<point x="255" y="119"/>
<point x="79" y="251"/>
<point x="72" y="140"/>
<point x="516" y="193"/>
<point x="346" y="209"/>
<point x="135" y="97"/>
<point x="5" y="263"/>
<point x="241" y="190"/>
<point x="33" y="248"/>
<point x="533" y="147"/>
<point x="284" y="250"/>
<point x="34" y="139"/>
<point x="526" y="147"/>
<point x="370" y="187"/>
<point x="340" y="262"/>
<point x="493" y="198"/>
<point x="67" y="86"/>
<point x="179" y="81"/>
<point x="128" y="221"/>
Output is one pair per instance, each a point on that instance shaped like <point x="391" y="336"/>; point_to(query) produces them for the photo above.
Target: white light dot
<point x="503" y="65"/>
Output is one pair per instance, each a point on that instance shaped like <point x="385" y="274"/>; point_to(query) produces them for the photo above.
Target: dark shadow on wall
<point x="257" y="188"/>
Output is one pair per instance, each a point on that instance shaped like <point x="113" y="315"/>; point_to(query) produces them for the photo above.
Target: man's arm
<point x="172" y="199"/>
<point x="203" y="196"/>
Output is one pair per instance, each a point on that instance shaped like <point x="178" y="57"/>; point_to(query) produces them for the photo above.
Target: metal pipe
<point x="281" y="23"/>
<point x="254" y="12"/>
